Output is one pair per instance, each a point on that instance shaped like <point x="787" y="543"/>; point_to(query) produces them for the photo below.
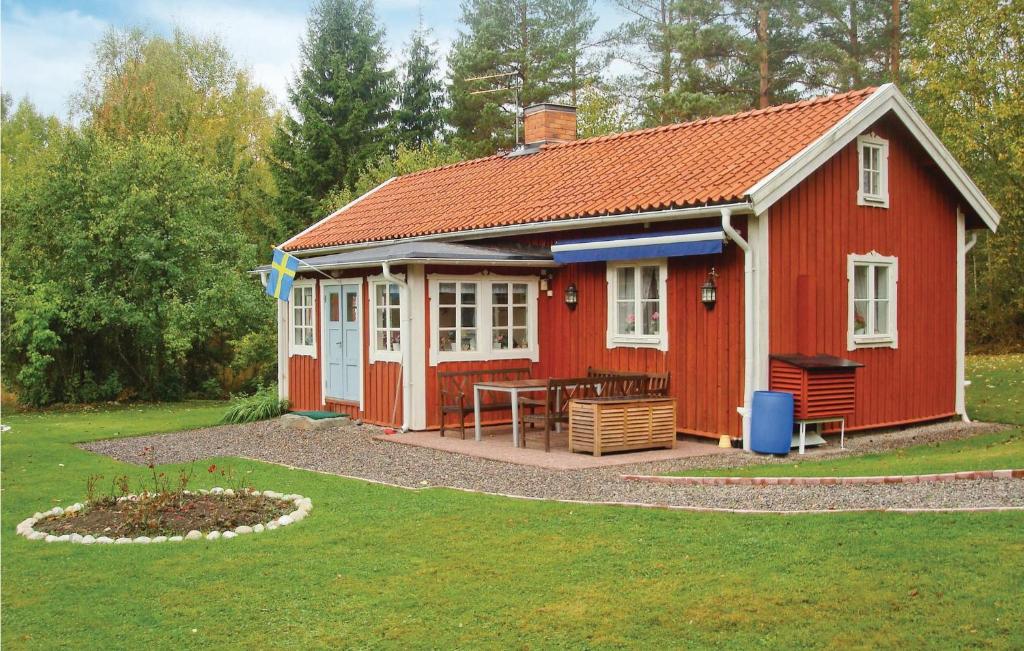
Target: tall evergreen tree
<point x="852" y="43"/>
<point x="342" y="99"/>
<point x="420" y="115"/>
<point x="538" y="48"/>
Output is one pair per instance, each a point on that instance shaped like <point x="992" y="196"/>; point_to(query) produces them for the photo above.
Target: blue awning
<point x="698" y="241"/>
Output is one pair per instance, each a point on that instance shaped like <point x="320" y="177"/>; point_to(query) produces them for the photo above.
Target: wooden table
<point x="513" y="388"/>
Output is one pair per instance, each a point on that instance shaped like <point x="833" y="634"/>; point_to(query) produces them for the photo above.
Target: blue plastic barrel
<point x="771" y="423"/>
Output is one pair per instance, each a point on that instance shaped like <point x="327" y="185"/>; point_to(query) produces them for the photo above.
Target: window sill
<point x="878" y="201"/>
<point x="622" y="342"/>
<point x="873" y="342"/>
<point x="302" y="352"/>
<point x="441" y="357"/>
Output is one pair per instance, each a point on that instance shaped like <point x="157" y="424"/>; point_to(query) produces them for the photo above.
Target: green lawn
<point x="382" y="567"/>
<point x="996" y="394"/>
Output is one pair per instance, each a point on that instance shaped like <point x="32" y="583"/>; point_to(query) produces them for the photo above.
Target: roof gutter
<point x="650" y="217"/>
<point x="748" y="322"/>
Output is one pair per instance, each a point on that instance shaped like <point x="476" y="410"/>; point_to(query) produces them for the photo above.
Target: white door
<point x="341" y="355"/>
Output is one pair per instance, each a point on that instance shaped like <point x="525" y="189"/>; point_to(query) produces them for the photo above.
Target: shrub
<point x="261" y="405"/>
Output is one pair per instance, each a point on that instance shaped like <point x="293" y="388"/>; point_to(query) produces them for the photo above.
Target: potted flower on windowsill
<point x="630" y="324"/>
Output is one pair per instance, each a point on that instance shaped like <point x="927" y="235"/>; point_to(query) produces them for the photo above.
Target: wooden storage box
<point x="822" y="385"/>
<point x="616" y="424"/>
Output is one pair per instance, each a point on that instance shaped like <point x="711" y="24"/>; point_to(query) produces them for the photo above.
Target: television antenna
<point x="514" y="83"/>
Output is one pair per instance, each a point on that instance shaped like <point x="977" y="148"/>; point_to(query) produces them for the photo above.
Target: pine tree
<point x="538" y="47"/>
<point x="855" y="43"/>
<point x="342" y="98"/>
<point x="420" y="116"/>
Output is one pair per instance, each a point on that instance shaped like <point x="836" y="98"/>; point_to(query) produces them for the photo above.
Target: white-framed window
<point x="386" y="324"/>
<point x="482" y="317"/>
<point x="638" y="304"/>
<point x="872" y="280"/>
<point x="873" y="167"/>
<point x="302" y="333"/>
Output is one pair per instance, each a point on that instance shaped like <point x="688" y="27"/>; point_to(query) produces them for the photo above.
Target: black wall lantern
<point x="571" y="296"/>
<point x="709" y="291"/>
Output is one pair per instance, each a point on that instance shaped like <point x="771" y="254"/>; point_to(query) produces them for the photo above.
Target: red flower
<point x="212" y="468"/>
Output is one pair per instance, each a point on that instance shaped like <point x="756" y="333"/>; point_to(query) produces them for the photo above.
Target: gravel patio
<point x="352" y="450"/>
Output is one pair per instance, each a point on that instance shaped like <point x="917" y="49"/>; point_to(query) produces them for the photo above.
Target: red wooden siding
<point x="815" y="227"/>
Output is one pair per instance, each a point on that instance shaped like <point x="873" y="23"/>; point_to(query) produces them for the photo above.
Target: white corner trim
<point x="879" y="199"/>
<point x="283" y="337"/>
<point x="887" y="98"/>
<point x="484" y="351"/>
<point x="334" y="214"/>
<point x="853" y="342"/>
<point x="615" y="340"/>
<point x="417" y="347"/>
<point x="293" y="348"/>
<point x="960" y="402"/>
<point x="758" y="234"/>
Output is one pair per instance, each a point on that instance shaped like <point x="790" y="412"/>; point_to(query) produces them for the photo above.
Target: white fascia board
<point x="334" y="214"/>
<point x="639" y="241"/>
<point x="887" y="98"/>
<point x="577" y="223"/>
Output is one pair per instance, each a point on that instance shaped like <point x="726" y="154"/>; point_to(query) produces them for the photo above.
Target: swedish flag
<point x="282" y="274"/>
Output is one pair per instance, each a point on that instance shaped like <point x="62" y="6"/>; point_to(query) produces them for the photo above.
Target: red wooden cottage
<point x="832" y="226"/>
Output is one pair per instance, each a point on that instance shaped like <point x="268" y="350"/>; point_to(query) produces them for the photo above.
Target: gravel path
<point x="350" y="450"/>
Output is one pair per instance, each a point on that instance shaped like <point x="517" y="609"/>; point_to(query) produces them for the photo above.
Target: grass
<point x="388" y="568"/>
<point x="996" y="394"/>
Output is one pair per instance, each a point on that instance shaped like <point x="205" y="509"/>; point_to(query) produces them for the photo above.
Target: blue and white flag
<point x="282" y="275"/>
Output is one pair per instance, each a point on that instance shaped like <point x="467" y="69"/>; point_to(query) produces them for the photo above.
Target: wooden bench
<point x="456" y="392"/>
<point x="629" y="383"/>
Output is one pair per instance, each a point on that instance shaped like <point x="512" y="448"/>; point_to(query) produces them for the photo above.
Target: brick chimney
<point x="546" y="123"/>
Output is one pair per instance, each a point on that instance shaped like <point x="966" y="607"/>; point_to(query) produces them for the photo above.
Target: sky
<point x="46" y="45"/>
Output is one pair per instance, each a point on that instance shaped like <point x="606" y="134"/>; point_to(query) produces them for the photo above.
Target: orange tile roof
<point x="709" y="161"/>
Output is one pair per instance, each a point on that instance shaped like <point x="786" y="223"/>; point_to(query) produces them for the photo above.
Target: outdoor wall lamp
<point x="571" y="296"/>
<point x="709" y="291"/>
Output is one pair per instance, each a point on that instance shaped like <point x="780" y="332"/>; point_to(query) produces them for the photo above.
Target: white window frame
<point x="616" y="340"/>
<point x="403" y="297"/>
<point x="890" y="339"/>
<point x="301" y="349"/>
<point x="484" y="326"/>
<point x="878" y="199"/>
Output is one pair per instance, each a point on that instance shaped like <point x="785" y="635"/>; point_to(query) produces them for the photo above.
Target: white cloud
<point x="45" y="54"/>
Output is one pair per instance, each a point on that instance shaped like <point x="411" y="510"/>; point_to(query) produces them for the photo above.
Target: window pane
<point x="500" y="317"/>
<point x="881" y="281"/>
<point x="499" y="293"/>
<point x="519" y="293"/>
<point x="446" y="317"/>
<point x="468" y="293"/>
<point x="396" y="317"/>
<point x="882" y="317"/>
<point x="860" y="317"/>
<point x="446" y="293"/>
<point x="519" y="317"/>
<point x="468" y="340"/>
<point x="446" y="340"/>
<point x="396" y="340"/>
<point x="350" y="307"/>
<point x="381" y="294"/>
<point x="499" y="339"/>
<point x="626" y="322"/>
<point x="394" y="295"/>
<point x="624" y="283"/>
<point x="652" y="319"/>
<point x="468" y="317"/>
<point x="309" y="336"/>
<point x="382" y="317"/>
<point x="520" y="338"/>
<point x="335" y="311"/>
<point x="649" y="282"/>
<point x="382" y="340"/>
<point x="297" y="338"/>
<point x="860" y="281"/>
<point x="297" y="313"/>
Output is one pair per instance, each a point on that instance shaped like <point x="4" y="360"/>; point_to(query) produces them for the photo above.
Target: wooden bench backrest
<point x="561" y="390"/>
<point x="456" y="385"/>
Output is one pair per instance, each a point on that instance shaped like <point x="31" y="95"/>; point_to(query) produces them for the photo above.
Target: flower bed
<point x="175" y="517"/>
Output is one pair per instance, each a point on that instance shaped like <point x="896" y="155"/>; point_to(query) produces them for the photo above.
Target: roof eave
<point x="887" y="98"/>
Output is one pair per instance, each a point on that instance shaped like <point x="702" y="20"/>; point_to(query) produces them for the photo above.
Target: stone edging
<point x="827" y="481"/>
<point x="303" y="505"/>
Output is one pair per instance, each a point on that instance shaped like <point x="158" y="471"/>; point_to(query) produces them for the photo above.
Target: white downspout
<point x="406" y="341"/>
<point x="962" y="382"/>
<point x="748" y="322"/>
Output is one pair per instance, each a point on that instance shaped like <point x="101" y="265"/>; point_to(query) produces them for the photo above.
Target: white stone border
<point x="303" y="505"/>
